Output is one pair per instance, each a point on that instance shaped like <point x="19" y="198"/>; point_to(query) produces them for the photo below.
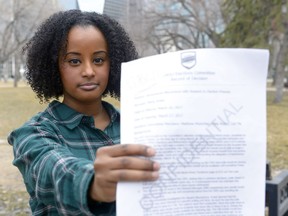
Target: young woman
<point x="67" y="153"/>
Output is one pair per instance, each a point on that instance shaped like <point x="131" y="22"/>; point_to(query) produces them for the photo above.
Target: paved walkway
<point x="273" y="89"/>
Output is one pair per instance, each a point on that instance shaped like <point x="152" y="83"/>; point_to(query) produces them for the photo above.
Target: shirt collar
<point x="63" y="114"/>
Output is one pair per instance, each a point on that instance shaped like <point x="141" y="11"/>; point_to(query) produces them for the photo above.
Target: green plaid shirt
<point x="55" y="151"/>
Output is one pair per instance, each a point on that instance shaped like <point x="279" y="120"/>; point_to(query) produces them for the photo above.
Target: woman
<point x="67" y="154"/>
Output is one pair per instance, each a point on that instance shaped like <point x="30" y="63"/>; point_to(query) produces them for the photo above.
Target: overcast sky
<point x="91" y="5"/>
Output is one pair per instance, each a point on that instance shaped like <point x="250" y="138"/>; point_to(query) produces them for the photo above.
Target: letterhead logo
<point x="188" y="59"/>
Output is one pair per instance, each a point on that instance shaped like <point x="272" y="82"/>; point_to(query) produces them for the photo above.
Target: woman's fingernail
<point x="151" y="152"/>
<point x="156" y="166"/>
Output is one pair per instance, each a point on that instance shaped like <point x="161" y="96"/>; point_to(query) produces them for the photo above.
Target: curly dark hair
<point x="50" y="40"/>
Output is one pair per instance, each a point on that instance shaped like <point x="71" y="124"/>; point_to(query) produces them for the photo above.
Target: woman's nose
<point x="88" y="70"/>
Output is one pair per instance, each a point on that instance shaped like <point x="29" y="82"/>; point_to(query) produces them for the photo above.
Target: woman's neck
<point x="94" y="109"/>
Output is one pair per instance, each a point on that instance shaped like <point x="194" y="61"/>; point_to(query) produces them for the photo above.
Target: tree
<point x="279" y="35"/>
<point x="169" y="25"/>
<point x="247" y="23"/>
<point x="259" y="24"/>
<point x="138" y="26"/>
<point x="18" y="20"/>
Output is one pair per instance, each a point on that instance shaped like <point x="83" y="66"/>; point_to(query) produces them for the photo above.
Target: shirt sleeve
<point x="52" y="174"/>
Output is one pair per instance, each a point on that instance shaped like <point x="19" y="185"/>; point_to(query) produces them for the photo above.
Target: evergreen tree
<point x="259" y="24"/>
<point x="248" y="22"/>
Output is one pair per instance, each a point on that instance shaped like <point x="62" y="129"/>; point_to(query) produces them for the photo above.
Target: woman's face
<point x="84" y="68"/>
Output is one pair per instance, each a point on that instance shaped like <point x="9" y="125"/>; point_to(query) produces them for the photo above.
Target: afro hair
<point x="50" y="40"/>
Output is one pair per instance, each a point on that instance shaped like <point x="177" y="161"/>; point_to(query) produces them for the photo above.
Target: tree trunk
<point x="281" y="62"/>
<point x="5" y="73"/>
<point x="16" y="78"/>
<point x="279" y="82"/>
<point x="280" y="69"/>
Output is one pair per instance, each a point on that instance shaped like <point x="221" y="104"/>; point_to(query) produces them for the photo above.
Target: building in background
<point x="68" y="5"/>
<point x="116" y="9"/>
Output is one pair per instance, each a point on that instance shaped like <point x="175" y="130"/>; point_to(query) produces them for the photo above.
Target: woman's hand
<point x="119" y="163"/>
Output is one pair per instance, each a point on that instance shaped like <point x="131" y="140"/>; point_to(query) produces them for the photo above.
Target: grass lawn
<point x="277" y="132"/>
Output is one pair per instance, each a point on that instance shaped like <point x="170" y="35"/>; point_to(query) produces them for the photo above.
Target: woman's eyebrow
<point x="72" y="53"/>
<point x="100" y="52"/>
<point x="97" y="52"/>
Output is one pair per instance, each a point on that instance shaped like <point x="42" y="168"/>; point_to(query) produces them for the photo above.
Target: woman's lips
<point x="88" y="86"/>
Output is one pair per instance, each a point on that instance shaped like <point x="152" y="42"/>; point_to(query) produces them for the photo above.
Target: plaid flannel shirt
<point x="55" y="151"/>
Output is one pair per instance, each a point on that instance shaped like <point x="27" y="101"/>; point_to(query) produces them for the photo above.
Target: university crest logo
<point x="188" y="59"/>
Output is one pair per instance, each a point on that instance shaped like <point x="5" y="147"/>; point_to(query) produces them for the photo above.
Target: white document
<point x="204" y="111"/>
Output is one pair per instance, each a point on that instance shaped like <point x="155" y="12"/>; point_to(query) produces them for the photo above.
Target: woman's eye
<point x="74" y="61"/>
<point x="98" y="61"/>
